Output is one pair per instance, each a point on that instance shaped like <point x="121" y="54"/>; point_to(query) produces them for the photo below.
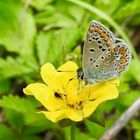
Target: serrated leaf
<point x="15" y="119"/>
<point x="36" y="119"/>
<point x="16" y="103"/>
<point x="16" y="66"/>
<point x="61" y="40"/>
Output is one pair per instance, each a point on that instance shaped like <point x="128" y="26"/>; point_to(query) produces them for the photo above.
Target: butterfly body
<point x="104" y="56"/>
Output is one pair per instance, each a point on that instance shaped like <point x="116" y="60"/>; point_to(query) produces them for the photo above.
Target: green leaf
<point x="9" y="10"/>
<point x="94" y="130"/>
<point x="18" y="104"/>
<point x="6" y="133"/>
<point x="20" y="66"/>
<point x="137" y="135"/>
<point x="4" y="86"/>
<point x="134" y="69"/>
<point x="29" y="130"/>
<point x="31" y="137"/>
<point x="15" y="119"/>
<point x="40" y="4"/>
<point x="61" y="40"/>
<point x="98" y="116"/>
<point x="133" y="7"/>
<point x="37" y="119"/>
<point x="129" y="97"/>
<point x="136" y="124"/>
<point x="108" y="6"/>
<point x="65" y="122"/>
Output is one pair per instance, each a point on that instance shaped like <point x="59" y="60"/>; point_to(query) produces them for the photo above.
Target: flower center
<point x="78" y="105"/>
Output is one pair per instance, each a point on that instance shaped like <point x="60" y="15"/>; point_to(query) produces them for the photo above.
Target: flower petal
<point x="52" y="77"/>
<point x="55" y="116"/>
<point x="107" y="89"/>
<point x="44" y="95"/>
<point x="91" y="105"/>
<point x="49" y="75"/>
<point x="68" y="66"/>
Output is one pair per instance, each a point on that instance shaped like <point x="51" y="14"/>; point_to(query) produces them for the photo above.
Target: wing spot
<point x="91" y="50"/>
<point x="100" y="47"/>
<point x="102" y="58"/>
<point x="99" y="41"/>
<point x="109" y="55"/>
<point x="91" y="29"/>
<point x="97" y="66"/>
<point x="103" y="49"/>
<point x="89" y="40"/>
<point x="90" y="59"/>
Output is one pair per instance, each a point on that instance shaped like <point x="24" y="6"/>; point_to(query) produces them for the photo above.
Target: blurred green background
<point x="33" y="32"/>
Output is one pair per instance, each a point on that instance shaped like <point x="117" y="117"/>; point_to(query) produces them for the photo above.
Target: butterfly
<point x="104" y="56"/>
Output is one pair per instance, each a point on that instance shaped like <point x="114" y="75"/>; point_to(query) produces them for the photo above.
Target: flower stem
<point x="72" y="131"/>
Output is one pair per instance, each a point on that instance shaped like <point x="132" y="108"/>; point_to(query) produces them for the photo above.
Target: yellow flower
<point x="64" y="96"/>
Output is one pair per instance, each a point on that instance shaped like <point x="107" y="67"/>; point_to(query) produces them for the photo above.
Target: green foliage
<point x="6" y="133"/>
<point x="39" y="31"/>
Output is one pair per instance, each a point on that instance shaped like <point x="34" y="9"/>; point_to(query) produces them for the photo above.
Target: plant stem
<point x="72" y="131"/>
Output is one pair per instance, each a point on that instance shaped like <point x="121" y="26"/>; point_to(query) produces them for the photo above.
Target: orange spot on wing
<point x="122" y="67"/>
<point x="116" y="49"/>
<point x="106" y="38"/>
<point x="91" y="29"/>
<point x="97" y="29"/>
<point x="123" y="56"/>
<point x="110" y="49"/>
<point x="122" y="52"/>
<point x="100" y="31"/>
<point x="122" y="49"/>
<point x="123" y="61"/>
<point x="108" y="43"/>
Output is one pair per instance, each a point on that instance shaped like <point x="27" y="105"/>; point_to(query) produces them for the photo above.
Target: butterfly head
<point x="82" y="76"/>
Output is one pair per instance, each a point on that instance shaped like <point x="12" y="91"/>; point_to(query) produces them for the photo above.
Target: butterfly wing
<point x="104" y="56"/>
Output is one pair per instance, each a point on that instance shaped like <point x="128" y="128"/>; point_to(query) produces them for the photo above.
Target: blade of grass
<point x="108" y="19"/>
